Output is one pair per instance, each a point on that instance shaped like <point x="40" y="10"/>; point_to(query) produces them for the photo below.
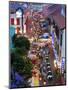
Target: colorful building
<point x="16" y="21"/>
<point x="15" y="24"/>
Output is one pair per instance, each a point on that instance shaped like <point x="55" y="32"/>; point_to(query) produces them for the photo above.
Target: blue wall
<point x="11" y="33"/>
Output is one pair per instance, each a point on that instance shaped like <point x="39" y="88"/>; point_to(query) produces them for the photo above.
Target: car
<point x="45" y="35"/>
<point x="46" y="56"/>
<point x="48" y="64"/>
<point x="48" y="68"/>
<point x="49" y="73"/>
<point x="43" y="24"/>
<point x="45" y="38"/>
<point x="50" y="77"/>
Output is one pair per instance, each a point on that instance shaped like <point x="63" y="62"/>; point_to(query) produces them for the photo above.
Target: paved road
<point x="51" y="61"/>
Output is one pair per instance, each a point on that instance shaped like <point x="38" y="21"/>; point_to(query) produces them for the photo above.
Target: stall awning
<point x="59" y="20"/>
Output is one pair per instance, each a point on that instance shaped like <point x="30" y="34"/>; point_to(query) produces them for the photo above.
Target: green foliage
<point x="21" y="42"/>
<point x="22" y="65"/>
<point x="19" y="60"/>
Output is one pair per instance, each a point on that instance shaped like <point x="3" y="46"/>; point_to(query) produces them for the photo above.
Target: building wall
<point x="63" y="61"/>
<point x="15" y="22"/>
<point x="63" y="44"/>
<point x="11" y="33"/>
<point x="14" y="28"/>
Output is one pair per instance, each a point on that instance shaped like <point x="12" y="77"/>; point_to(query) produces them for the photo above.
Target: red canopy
<point x="60" y="20"/>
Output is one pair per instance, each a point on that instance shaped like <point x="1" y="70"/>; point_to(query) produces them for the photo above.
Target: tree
<point x="22" y="65"/>
<point x="21" y="42"/>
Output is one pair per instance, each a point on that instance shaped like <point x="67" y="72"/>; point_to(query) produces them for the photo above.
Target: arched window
<point x="19" y="13"/>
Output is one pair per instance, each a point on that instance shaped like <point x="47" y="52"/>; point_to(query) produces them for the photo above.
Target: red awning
<point x="59" y="20"/>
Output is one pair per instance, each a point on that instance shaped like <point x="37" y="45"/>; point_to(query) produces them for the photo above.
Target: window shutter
<point x="18" y="21"/>
<point x="12" y="21"/>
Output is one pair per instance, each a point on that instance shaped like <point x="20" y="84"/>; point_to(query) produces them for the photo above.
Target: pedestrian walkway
<point x="55" y="52"/>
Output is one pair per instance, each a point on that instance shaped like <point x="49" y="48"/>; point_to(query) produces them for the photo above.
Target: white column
<point x="24" y="25"/>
